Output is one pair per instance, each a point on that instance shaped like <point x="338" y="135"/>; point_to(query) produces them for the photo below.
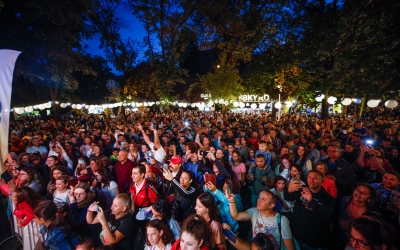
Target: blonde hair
<point x="127" y="202"/>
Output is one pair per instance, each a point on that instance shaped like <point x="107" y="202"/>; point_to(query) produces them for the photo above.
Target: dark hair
<point x="188" y="172"/>
<point x="392" y="172"/>
<point x="305" y="156"/>
<point x="199" y="229"/>
<point x="373" y="231"/>
<point x="238" y="154"/>
<point x="208" y="201"/>
<point x="166" y="237"/>
<point x="30" y="171"/>
<point x="86" y="242"/>
<point x="63" y="178"/>
<point x="316" y="171"/>
<point x="373" y="194"/>
<point x="262" y="242"/>
<point x="161" y="205"/>
<point x="279" y="178"/>
<point x="98" y="161"/>
<point x="28" y="195"/>
<point x="60" y="168"/>
<point x="141" y="167"/>
<point x="48" y="211"/>
<point x="234" y="185"/>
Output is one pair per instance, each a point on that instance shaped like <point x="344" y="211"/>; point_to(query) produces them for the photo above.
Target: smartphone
<point x="9" y="158"/>
<point x="81" y="161"/>
<point x="229" y="234"/>
<point x="152" y="126"/>
<point x="296" y="177"/>
<point x="211" y="178"/>
<point x="98" y="209"/>
<point x="228" y="190"/>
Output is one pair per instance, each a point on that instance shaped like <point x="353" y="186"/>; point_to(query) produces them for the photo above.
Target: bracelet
<point x="90" y="211"/>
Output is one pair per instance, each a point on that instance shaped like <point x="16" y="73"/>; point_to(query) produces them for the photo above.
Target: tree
<point x="49" y="34"/>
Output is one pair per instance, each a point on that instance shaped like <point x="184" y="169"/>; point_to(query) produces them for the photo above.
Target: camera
<point x="203" y="153"/>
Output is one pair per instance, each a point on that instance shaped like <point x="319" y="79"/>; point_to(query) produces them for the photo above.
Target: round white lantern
<point x="346" y="101"/>
<point x="19" y="110"/>
<point x="262" y="105"/>
<point x="318" y="99"/>
<point x="242" y="105"/>
<point x="48" y="105"/>
<point x="278" y="105"/>
<point x="372" y="103"/>
<point x="289" y="104"/>
<point x="29" y="109"/>
<point x="391" y="104"/>
<point x="41" y="106"/>
<point x="332" y="100"/>
<point x="63" y="105"/>
<point x="235" y="104"/>
<point x="253" y="106"/>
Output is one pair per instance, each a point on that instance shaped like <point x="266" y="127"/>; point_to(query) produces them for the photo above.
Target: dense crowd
<point x="206" y="180"/>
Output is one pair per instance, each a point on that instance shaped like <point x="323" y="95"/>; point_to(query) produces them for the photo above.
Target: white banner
<point x="7" y="63"/>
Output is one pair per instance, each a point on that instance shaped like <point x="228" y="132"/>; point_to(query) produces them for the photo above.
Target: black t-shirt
<point x="124" y="225"/>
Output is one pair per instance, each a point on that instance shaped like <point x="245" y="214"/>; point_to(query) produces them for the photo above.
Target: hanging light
<point x="289" y="104"/>
<point x="278" y="105"/>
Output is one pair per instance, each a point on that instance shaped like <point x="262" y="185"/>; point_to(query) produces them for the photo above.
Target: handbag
<point x="282" y="246"/>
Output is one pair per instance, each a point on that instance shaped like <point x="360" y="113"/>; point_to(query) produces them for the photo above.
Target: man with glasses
<point x="340" y="171"/>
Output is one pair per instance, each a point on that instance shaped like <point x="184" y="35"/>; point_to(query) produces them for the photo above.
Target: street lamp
<point x="279" y="100"/>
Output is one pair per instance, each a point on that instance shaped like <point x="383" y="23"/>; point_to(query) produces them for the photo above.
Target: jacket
<point x="344" y="174"/>
<point x="184" y="201"/>
<point x="24" y="212"/>
<point x="56" y="239"/>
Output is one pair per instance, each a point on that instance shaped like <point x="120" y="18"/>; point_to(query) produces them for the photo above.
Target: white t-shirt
<point x="159" y="155"/>
<point x="61" y="197"/>
<point x="269" y="226"/>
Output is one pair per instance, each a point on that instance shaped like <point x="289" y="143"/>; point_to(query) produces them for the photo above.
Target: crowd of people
<point x="206" y="180"/>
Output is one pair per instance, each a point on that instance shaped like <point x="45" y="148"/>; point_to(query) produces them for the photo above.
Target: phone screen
<point x="296" y="177"/>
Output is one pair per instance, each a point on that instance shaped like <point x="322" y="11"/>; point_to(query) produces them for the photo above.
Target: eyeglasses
<point x="359" y="243"/>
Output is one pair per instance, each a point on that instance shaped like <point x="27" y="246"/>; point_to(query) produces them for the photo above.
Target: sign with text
<point x="254" y="98"/>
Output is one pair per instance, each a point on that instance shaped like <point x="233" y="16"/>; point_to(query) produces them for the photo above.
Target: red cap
<point x="176" y="159"/>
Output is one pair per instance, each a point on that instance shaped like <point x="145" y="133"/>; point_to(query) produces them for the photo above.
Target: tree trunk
<point x="55" y="90"/>
<point x="324" y="107"/>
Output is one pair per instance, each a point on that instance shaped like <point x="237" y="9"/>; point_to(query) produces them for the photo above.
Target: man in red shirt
<point x="123" y="169"/>
<point x="253" y="141"/>
<point x="144" y="194"/>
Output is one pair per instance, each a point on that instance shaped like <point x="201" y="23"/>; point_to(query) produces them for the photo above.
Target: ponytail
<point x="48" y="211"/>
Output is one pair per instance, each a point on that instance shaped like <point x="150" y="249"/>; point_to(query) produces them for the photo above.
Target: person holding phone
<point x="116" y="223"/>
<point x="312" y="211"/>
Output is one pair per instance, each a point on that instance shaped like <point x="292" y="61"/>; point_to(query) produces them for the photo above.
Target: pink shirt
<point x="238" y="170"/>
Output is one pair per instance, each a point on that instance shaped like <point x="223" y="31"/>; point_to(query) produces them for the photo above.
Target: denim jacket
<point x="56" y="239"/>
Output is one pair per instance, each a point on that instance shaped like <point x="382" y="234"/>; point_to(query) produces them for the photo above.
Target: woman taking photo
<point x="196" y="234"/>
<point x="158" y="237"/>
<point x="206" y="208"/>
<point x="117" y="224"/>
<point x="106" y="188"/>
<point x="353" y="207"/>
<point x="80" y="197"/>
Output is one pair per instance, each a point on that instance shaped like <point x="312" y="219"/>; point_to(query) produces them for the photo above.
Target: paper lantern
<point x="332" y="100"/>
<point x="48" y="105"/>
<point x="253" y="106"/>
<point x="63" y="105"/>
<point x="346" y="101"/>
<point x="289" y="104"/>
<point x="41" y="106"/>
<point x="19" y="110"/>
<point x="278" y="105"/>
<point x="391" y="104"/>
<point x="242" y="105"/>
<point x="73" y="106"/>
<point x="262" y="105"/>
<point x="318" y="99"/>
<point x="29" y="109"/>
<point x="373" y="103"/>
<point x="235" y="104"/>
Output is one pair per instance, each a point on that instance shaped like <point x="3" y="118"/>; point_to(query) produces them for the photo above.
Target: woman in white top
<point x="283" y="169"/>
<point x="133" y="154"/>
<point x="158" y="237"/>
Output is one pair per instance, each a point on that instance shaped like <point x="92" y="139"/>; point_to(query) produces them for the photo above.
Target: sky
<point x="131" y="27"/>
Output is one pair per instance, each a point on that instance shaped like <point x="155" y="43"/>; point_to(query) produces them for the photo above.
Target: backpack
<point x="282" y="246"/>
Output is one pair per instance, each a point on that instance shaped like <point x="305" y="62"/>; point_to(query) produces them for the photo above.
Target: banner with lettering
<point x="7" y="63"/>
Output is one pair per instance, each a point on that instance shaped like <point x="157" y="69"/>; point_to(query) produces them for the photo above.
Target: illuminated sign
<point x="254" y="98"/>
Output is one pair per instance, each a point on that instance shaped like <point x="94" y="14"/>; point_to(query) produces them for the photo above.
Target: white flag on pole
<point x="7" y="63"/>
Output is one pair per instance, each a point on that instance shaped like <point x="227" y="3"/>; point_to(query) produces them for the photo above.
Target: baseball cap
<point x="176" y="159"/>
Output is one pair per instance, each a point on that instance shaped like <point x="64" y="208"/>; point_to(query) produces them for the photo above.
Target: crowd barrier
<point x="28" y="235"/>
